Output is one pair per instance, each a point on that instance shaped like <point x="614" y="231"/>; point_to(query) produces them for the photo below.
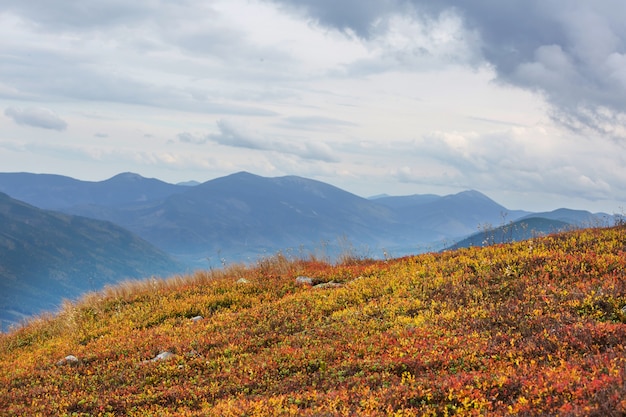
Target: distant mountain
<point x="245" y="215"/>
<point x="452" y="215"/>
<point x="56" y="192"/>
<point x="46" y="256"/>
<point x="524" y="229"/>
<point x="580" y="218"/>
<point x="241" y="216"/>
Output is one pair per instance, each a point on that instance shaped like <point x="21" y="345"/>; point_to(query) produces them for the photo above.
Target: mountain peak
<point x="127" y="176"/>
<point x="472" y="194"/>
<point x="242" y="174"/>
<point x="464" y="197"/>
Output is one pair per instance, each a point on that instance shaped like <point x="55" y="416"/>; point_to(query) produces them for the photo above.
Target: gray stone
<point x="302" y="280"/>
<point x="197" y="318"/>
<point x="68" y="360"/>
<point x="163" y="356"/>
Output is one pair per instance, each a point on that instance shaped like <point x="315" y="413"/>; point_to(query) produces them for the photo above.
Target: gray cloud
<point x="571" y="51"/>
<point x="187" y="137"/>
<point x="232" y="135"/>
<point x="36" y="117"/>
<point x="154" y="53"/>
<point x="358" y="16"/>
<point x="524" y="159"/>
<point x="63" y="79"/>
<point x="79" y="15"/>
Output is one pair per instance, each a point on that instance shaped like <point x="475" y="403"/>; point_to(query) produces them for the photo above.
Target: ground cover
<point x="529" y="328"/>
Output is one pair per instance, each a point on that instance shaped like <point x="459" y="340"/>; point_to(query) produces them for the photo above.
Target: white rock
<point x="68" y="360"/>
<point x="163" y="356"/>
<point x="301" y="280"/>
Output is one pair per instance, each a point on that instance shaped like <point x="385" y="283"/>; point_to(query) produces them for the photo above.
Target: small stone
<point x="328" y="285"/>
<point x="302" y="280"/>
<point x="242" y="281"/>
<point x="163" y="356"/>
<point x="68" y="360"/>
<point x="197" y="318"/>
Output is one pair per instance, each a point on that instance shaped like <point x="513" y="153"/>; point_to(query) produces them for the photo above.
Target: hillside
<point x="451" y="215"/>
<point x="47" y="256"/>
<point x="530" y="328"/>
<point x="524" y="229"/>
<point x="578" y="218"/>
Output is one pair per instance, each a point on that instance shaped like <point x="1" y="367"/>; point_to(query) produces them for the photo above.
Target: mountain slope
<point x="46" y="256"/>
<point x="579" y="218"/>
<point x="526" y="228"/>
<point x="451" y="215"/>
<point x="461" y="213"/>
<point x="530" y="328"/>
<point x="397" y="202"/>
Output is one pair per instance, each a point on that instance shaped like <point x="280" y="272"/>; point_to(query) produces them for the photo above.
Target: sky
<point x="523" y="100"/>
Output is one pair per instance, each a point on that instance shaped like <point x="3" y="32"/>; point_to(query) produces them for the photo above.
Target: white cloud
<point x="315" y="123"/>
<point x="419" y="43"/>
<point x="192" y="138"/>
<point x="36" y="117"/>
<point x="522" y="159"/>
<point x="569" y="50"/>
<point x="231" y="134"/>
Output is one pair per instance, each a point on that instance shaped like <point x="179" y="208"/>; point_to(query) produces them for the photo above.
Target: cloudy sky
<point x="523" y="100"/>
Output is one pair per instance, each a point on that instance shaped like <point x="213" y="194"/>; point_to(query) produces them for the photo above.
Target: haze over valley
<point x="62" y="236"/>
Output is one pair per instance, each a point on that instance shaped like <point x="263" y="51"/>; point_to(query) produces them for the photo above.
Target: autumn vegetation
<point x="529" y="328"/>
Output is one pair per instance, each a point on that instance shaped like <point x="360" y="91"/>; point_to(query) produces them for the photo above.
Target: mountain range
<point x="235" y="218"/>
<point x="245" y="215"/>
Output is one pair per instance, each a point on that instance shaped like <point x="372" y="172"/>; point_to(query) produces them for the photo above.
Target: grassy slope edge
<point x="528" y="328"/>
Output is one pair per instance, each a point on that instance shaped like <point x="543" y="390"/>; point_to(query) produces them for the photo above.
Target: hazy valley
<point x="131" y="227"/>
